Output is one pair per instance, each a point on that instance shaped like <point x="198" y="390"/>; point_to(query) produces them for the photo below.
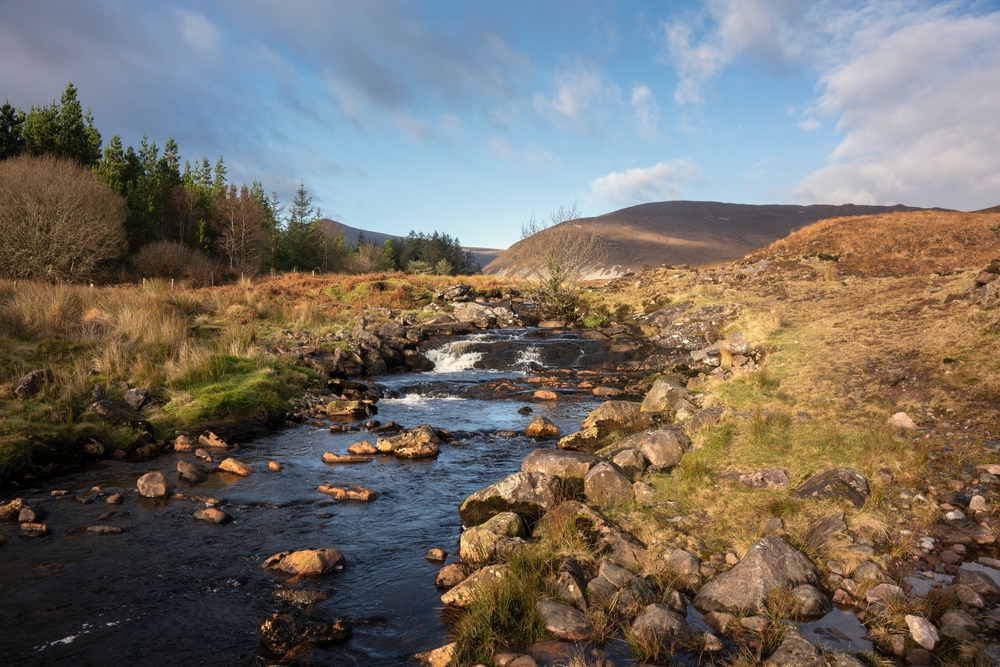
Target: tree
<point x="239" y="220"/>
<point x="560" y="215"/>
<point x="11" y="130"/>
<point x="430" y="249"/>
<point x="57" y="219"/>
<point x="300" y="247"/>
<point x="62" y="129"/>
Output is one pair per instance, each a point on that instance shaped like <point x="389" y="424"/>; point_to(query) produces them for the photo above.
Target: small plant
<point x="647" y="647"/>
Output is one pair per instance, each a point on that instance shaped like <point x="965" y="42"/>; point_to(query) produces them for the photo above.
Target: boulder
<point x="183" y="443"/>
<point x="644" y="493"/>
<point x="606" y="485"/>
<point x="353" y="409"/>
<point x="529" y="494"/>
<point x="10" y="511"/>
<point x="795" y="651"/>
<point x="191" y="472"/>
<point x="417" y="362"/>
<point x="824" y="529"/>
<point x="450" y="576"/>
<point x="680" y="561"/>
<point x="280" y="633"/>
<point x="546" y="395"/>
<point x="154" y="485"/>
<point x="663" y="396"/>
<point x="658" y="623"/>
<point x="415" y="440"/>
<point x="922" y="631"/>
<point x="615" y="583"/>
<point x="596" y="529"/>
<point x="32" y="383"/>
<point x="630" y="461"/>
<point x="564" y="621"/>
<point x="94" y="448"/>
<point x="812" y="603"/>
<point x="307" y="562"/>
<point x="31" y="514"/>
<point x="623" y="416"/>
<point x="586" y="440"/>
<point x="569" y="466"/>
<point x="363" y="448"/>
<point x="235" y="467"/>
<point x="569" y="583"/>
<point x="439" y="657"/>
<point x="494" y="539"/>
<point x="541" y="427"/>
<point x="119" y="412"/>
<point x="837" y="483"/>
<point x="136" y="398"/>
<point x="348" y="492"/>
<point x="662" y="447"/>
<point x="462" y="594"/>
<point x="769" y="564"/>
<point x="213" y="515"/>
<point x="212" y="441"/>
<point x="436" y="555"/>
<point x="418" y="450"/>
<point x="475" y="314"/>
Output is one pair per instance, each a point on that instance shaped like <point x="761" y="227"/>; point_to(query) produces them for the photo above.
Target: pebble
<point x="922" y="631"/>
<point x="977" y="504"/>
<point x="34" y="529"/>
<point x="955" y="515"/>
<point x="58" y="493"/>
<point x="114" y="499"/>
<point x="273" y="466"/>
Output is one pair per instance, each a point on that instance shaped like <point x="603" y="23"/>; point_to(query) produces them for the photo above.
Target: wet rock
<point x="343" y="492"/>
<point x="494" y="539"/>
<point x="541" y="427"/>
<point x="191" y="472"/>
<point x="439" y="657"/>
<point x="420" y="442"/>
<point x="616" y="583"/>
<point x="659" y="623"/>
<point x="564" y="621"/>
<point x="769" y="478"/>
<point x="450" y="576"/>
<point x="436" y="555"/>
<point x="154" y="485"/>
<point x="769" y="564"/>
<point x="235" y="467"/>
<point x="795" y="651"/>
<point x="630" y="461"/>
<point x="307" y="562"/>
<point x="595" y="528"/>
<point x="901" y="420"/>
<point x="32" y="383"/>
<point x="545" y="395"/>
<point x="837" y="483"/>
<point x="362" y="448"/>
<point x="119" y="412"/>
<point x="606" y="485"/>
<point x="462" y="594"/>
<point x="922" y="631"/>
<point x="824" y="529"/>
<point x="203" y="455"/>
<point x="417" y="362"/>
<point x="663" y="396"/>
<point x="525" y="410"/>
<point x="105" y="530"/>
<point x="663" y="447"/>
<point x="114" y="499"/>
<point x="529" y="494"/>
<point x="10" y="511"/>
<point x="213" y="515"/>
<point x="31" y="514"/>
<point x="274" y="466"/>
<point x="280" y="633"/>
<point x="811" y="601"/>
<point x="34" y="529"/>
<point x="94" y="448"/>
<point x="136" y="398"/>
<point x="569" y="466"/>
<point x="183" y="443"/>
<point x="212" y="441"/>
<point x="586" y="440"/>
<point x="330" y="457"/>
<point x="353" y="409"/>
<point x="301" y="596"/>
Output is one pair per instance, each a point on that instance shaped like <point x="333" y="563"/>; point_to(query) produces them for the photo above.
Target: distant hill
<point x="682" y="232"/>
<point x="351" y="234"/>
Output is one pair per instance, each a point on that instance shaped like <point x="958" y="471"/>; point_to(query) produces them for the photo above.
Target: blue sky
<point x="469" y="117"/>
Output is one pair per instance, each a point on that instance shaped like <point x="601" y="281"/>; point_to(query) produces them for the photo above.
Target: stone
<point x="119" y="412"/>
<point x="606" y="485"/>
<point x="713" y="643"/>
<point x="901" y="420"/>
<point x="821" y="531"/>
<point x="422" y="440"/>
<point x="362" y="448"/>
<point x="31" y="514"/>
<point x="29" y="529"/>
<point x="770" y="563"/>
<point x="330" y="457"/>
<point x="342" y="492"/>
<point x="630" y="461"/>
<point x="301" y="596"/>
<point x="619" y="415"/>
<point x="212" y="441"/>
<point x="968" y="597"/>
<point x="541" y="427"/>
<point x="183" y="443"/>
<point x="812" y="603"/>
<point x="564" y="621"/>
<point x="680" y="561"/>
<point x="203" y="455"/>
<point x="569" y="466"/>
<point x="663" y="396"/>
<point x="98" y="393"/>
<point x="990" y="468"/>
<point x="880" y="595"/>
<point x="32" y="383"/>
<point x="105" y="530"/>
<point x="922" y="631"/>
<point x="474" y="313"/>
<point x="114" y="499"/>
<point x="545" y="395"/>
<point x="978" y="504"/>
<point x="596" y="529"/>
<point x="154" y="485"/>
<point x="94" y="448"/>
<point x="795" y="651"/>
<point x="586" y="440"/>
<point x="988" y="656"/>
<point x="644" y="493"/>
<point x="280" y="633"/>
<point x="569" y="583"/>
<point x="353" y="409"/>
<point x="837" y="483"/>
<point x="191" y="472"/>
<point x="462" y="594"/>
<point x="721" y="622"/>
<point x="235" y="467"/>
<point x="494" y="539"/>
<point x="306" y="562"/>
<point x="136" y="398"/>
<point x="663" y="447"/>
<point x="10" y="511"/>
<point x="980" y="582"/>
<point x="439" y="657"/>
<point x="614" y="582"/>
<point x="436" y="555"/>
<point x="213" y="515"/>
<point x="754" y="623"/>
<point x="659" y="623"/>
<point x="959" y="618"/>
<point x="769" y="478"/>
<point x="529" y="494"/>
<point x="274" y="466"/>
<point x="450" y="576"/>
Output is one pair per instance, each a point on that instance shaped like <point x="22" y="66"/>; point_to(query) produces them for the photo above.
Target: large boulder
<point x="118" y="412"/>
<point x="630" y="461"/>
<point x="307" y="562"/>
<point x="658" y="623"/>
<point x="662" y="447"/>
<point x="837" y="483"/>
<point x="569" y="466"/>
<point x="615" y="584"/>
<point x="280" y="633"/>
<point x="663" y="396"/>
<point x="462" y="594"/>
<point x="494" y="539"/>
<point x="619" y="415"/>
<point x="529" y="494"/>
<point x="136" y="398"/>
<point x="564" y="621"/>
<point x="769" y="564"/>
<point x="605" y="484"/>
<point x="596" y="529"/>
<point x="154" y="485"/>
<point x="475" y="314"/>
<point x="32" y="383"/>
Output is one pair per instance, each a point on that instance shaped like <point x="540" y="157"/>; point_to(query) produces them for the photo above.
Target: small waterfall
<point x="528" y="358"/>
<point x="453" y="357"/>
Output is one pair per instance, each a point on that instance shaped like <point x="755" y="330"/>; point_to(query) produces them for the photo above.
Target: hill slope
<point x="681" y="232"/>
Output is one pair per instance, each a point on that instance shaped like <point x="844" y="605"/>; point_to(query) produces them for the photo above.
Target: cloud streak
<point x="665" y="180"/>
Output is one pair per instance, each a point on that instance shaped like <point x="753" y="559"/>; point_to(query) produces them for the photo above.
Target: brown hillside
<point x="895" y="245"/>
<point x="680" y="232"/>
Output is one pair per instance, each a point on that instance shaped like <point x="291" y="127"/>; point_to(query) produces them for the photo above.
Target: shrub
<point x="57" y="220"/>
<point x="170" y="259"/>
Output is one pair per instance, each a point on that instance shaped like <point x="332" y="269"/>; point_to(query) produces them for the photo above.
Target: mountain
<point x="351" y="234"/>
<point x="680" y="232"/>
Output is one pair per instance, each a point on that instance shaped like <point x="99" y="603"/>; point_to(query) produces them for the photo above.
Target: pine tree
<point x="11" y="129"/>
<point x="63" y="130"/>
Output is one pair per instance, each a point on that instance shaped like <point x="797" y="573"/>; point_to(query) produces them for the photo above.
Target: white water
<point x="527" y="357"/>
<point x="448" y="359"/>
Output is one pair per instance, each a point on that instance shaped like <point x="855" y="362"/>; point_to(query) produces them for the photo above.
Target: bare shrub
<point x="57" y="220"/>
<point x="240" y="218"/>
<point x="170" y="259"/>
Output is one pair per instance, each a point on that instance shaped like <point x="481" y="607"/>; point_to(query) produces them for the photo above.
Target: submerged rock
<point x="302" y="596"/>
<point x="280" y="633"/>
<point x="306" y="562"/>
<point x="191" y="472"/>
<point x="213" y="515"/>
<point x="348" y="492"/>
<point x="529" y="494"/>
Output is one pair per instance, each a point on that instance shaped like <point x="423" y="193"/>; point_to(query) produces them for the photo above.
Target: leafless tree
<point x="561" y="214"/>
<point x="57" y="220"/>
<point x="240" y="220"/>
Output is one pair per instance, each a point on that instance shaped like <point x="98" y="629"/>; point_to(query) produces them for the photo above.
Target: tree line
<point x="145" y="212"/>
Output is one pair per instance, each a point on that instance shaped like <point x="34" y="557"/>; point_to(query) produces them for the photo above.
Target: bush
<point x="170" y="259"/>
<point x="57" y="220"/>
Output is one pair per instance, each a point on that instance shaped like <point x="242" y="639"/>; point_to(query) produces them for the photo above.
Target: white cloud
<point x="578" y="98"/>
<point x="535" y="158"/>
<point x="665" y="180"/>
<point x="500" y="146"/>
<point x="199" y="34"/>
<point x="647" y="113"/>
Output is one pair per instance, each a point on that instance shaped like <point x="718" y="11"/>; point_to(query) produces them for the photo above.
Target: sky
<point x="470" y="117"/>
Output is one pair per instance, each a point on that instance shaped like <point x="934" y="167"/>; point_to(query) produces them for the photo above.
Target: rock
<point x="330" y="457"/>
<point x="663" y="396"/>
<point x="212" y="441"/>
<point x="136" y="398"/>
<point x="795" y="651"/>
<point x="235" y="467"/>
<point x="475" y="314"/>
<point x="769" y="478"/>
<point x="968" y="597"/>
<point x="274" y="466"/>
<point x="29" y="529"/>
<point x="31" y="514"/>
<point x="348" y="492"/>
<point x="564" y="621"/>
<point x="94" y="448"/>
<point x="811" y="602"/>
<point x="307" y="562"/>
<point x="624" y="416"/>
<point x="213" y="515"/>
<point x="546" y="395"/>
<point x="713" y="643"/>
<point x="301" y="596"/>
<point x="439" y="657"/>
<point x="660" y="624"/>
<point x="587" y="440"/>
<point x="606" y="485"/>
<point x="569" y="466"/>
<point x="182" y="443"/>
<point x="450" y="576"/>
<point x="980" y="582"/>
<point x="617" y="584"/>
<point x="541" y="427"/>
<point x="978" y="504"/>
<point x="901" y="420"/>
<point x="280" y="633"/>
<point x="494" y="539"/>
<point x="353" y="409"/>
<point x="362" y="448"/>
<point x="154" y="485"/>
<point x="191" y="472"/>
<point x="663" y="447"/>
<point x="922" y="631"/>
<point x="10" y="511"/>
<point x="203" y="455"/>
<point x="837" y="483"/>
<point x="821" y="531"/>
<point x="32" y="383"/>
<point x="630" y="461"/>
<point x="963" y="532"/>
<point x="98" y="393"/>
<point x="720" y="621"/>
<point x="118" y="412"/>
<point x="680" y="561"/>
<point x="105" y="530"/>
<point x="569" y="583"/>
<point x="596" y="529"/>
<point x="420" y="442"/>
<point x="114" y="499"/>
<point x="462" y="594"/>
<point x="959" y="618"/>
<point x="988" y="656"/>
<point x="529" y="494"/>
<point x="869" y="571"/>
<point x="769" y="564"/>
<point x="880" y="595"/>
<point x="644" y="493"/>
